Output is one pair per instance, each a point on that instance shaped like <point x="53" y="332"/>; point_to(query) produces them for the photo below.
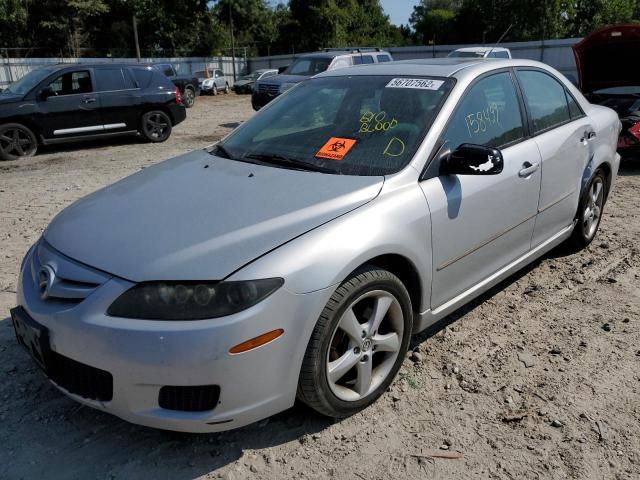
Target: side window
<point x="72" y="83"/>
<point x="383" y="58"/>
<point x="367" y="59"/>
<point x="341" y="62"/>
<point x="167" y="70"/>
<point x="502" y="54"/>
<point x="574" y="109"/>
<point x="108" y="79"/>
<point x="488" y="114"/>
<point x="546" y="99"/>
<point x="219" y="73"/>
<point x="142" y="77"/>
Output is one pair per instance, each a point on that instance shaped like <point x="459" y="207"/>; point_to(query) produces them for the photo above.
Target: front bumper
<point x="143" y="356"/>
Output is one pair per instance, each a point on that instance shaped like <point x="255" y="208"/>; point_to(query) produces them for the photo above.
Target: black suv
<point x="66" y="102"/>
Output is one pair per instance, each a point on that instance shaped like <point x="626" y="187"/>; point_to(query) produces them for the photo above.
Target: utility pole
<point x="135" y="36"/>
<point x="233" y="44"/>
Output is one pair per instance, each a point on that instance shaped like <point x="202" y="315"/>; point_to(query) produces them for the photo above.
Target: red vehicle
<point x="609" y="75"/>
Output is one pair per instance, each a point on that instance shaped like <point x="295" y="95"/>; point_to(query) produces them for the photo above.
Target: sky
<point x="398" y="10"/>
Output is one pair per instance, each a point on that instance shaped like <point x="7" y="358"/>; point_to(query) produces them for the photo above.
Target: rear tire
<point x="16" y="141"/>
<point x="189" y="97"/>
<point x="358" y="344"/>
<point x="589" y="213"/>
<point x="155" y="126"/>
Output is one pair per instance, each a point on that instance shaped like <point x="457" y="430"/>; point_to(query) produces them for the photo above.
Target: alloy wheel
<point x="16" y="142"/>
<point x="189" y="97"/>
<point x="156" y="126"/>
<point x="364" y="345"/>
<point x="593" y="208"/>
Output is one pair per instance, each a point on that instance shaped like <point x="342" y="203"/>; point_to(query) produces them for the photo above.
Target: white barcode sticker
<point x="420" y="83"/>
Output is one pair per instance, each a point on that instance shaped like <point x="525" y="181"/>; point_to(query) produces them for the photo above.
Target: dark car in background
<point x="245" y="83"/>
<point x="609" y="75"/>
<point x="64" y="103"/>
<point x="189" y="85"/>
<point x="307" y="65"/>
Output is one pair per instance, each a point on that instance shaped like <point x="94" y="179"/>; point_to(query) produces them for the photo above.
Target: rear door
<point x="562" y="134"/>
<point x="74" y="109"/>
<point x="219" y="79"/>
<point x="482" y="223"/>
<point x="119" y="98"/>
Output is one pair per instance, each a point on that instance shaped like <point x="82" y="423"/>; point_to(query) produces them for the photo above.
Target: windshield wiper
<point x="281" y="160"/>
<point x="221" y="152"/>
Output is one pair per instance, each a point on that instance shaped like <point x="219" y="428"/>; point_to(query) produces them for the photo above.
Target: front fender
<point x="396" y="222"/>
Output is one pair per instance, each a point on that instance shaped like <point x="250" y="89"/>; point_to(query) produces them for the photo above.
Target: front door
<point x="563" y="135"/>
<point x="482" y="223"/>
<point x="73" y="109"/>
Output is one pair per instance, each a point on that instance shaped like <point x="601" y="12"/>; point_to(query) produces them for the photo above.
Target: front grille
<point x="62" y="279"/>
<point x="269" y="88"/>
<point x="80" y="379"/>
<point x="189" y="399"/>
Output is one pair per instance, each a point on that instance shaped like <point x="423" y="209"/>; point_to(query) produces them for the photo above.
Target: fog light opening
<point x="256" y="342"/>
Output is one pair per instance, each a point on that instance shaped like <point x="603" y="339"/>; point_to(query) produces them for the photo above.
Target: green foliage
<point x="203" y="27"/>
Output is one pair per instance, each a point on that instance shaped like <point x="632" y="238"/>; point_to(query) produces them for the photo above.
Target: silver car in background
<point x="297" y="256"/>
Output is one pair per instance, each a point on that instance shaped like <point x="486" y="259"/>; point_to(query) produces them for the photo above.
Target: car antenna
<point x="500" y="39"/>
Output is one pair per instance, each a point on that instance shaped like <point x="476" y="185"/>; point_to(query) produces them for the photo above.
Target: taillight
<point x="178" y="96"/>
<point x="635" y="130"/>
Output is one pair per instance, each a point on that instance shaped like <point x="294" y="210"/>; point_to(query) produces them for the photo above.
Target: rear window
<point x="384" y="58"/>
<point x="359" y="60"/>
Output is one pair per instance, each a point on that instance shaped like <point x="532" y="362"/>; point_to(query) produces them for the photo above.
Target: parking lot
<point x="538" y="378"/>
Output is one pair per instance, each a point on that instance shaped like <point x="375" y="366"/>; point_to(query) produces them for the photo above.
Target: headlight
<point x="286" y="86"/>
<point x="191" y="300"/>
<point x="207" y="82"/>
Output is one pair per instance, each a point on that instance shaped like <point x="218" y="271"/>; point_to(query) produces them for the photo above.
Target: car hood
<point x="199" y="217"/>
<point x="6" y="98"/>
<point x="242" y="83"/>
<point x="605" y="59"/>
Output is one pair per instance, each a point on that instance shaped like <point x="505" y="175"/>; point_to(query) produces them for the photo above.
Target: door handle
<point x="88" y="100"/>
<point x="528" y="169"/>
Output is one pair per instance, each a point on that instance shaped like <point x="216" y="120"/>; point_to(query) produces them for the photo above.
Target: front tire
<point x="589" y="213"/>
<point x="226" y="88"/>
<point x="155" y="126"/>
<point x="358" y="344"/>
<point x="214" y="90"/>
<point x="16" y="141"/>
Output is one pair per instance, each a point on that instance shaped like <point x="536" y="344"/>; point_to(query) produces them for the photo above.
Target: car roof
<point x="436" y="67"/>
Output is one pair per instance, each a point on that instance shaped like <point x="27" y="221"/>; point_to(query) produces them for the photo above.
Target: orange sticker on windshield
<point x="336" y="148"/>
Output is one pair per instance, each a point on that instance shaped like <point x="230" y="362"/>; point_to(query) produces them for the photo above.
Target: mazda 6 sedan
<point x="295" y="258"/>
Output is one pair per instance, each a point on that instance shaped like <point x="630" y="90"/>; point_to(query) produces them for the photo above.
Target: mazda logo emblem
<point x="46" y="277"/>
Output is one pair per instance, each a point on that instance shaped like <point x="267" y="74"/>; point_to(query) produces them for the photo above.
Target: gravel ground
<point x="539" y="378"/>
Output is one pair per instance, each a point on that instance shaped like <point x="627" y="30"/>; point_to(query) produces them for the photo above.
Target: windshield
<point x="251" y="76"/>
<point x="353" y="125"/>
<point x="458" y="54"/>
<point x="308" y="66"/>
<point x="30" y="80"/>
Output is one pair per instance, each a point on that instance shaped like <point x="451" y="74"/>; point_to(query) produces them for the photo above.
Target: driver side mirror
<point x="282" y="69"/>
<point x="45" y="93"/>
<point x="471" y="159"/>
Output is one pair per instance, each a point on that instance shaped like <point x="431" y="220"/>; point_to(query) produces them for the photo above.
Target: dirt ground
<point x="539" y="378"/>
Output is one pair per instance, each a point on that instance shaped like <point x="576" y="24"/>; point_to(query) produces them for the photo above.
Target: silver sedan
<point x="297" y="256"/>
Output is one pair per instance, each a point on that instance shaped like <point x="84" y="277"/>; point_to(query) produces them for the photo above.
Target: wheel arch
<point x="26" y="122"/>
<point x="406" y="271"/>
